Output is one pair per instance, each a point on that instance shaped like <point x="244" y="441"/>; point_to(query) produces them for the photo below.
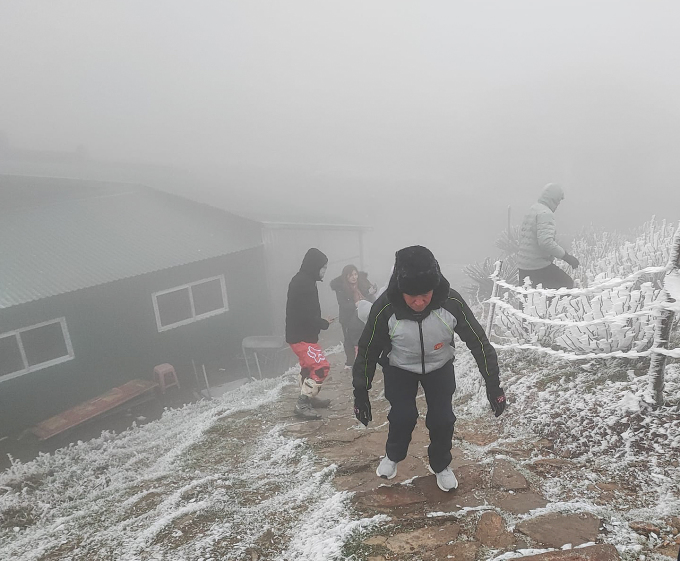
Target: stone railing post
<point x="495" y="276"/>
<point x="662" y="332"/>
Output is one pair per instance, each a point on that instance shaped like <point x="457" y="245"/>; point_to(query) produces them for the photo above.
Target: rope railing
<point x="600" y="287"/>
<point x="672" y="353"/>
<point x="584" y="323"/>
<point x="660" y="309"/>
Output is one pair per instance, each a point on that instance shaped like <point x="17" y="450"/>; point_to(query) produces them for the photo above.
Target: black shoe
<point x="318" y="403"/>
<point x="304" y="409"/>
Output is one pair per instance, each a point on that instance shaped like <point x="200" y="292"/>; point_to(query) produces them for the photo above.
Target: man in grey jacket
<point x="410" y="333"/>
<point x="538" y="246"/>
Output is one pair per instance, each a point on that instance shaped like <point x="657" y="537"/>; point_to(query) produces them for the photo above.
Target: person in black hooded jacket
<point x="303" y="325"/>
<point x="412" y="326"/>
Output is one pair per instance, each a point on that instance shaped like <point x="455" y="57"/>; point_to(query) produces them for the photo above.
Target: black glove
<point x="496" y="397"/>
<point x="571" y="260"/>
<point x="362" y="407"/>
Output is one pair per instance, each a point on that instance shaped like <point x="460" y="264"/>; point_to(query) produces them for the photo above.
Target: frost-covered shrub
<point x="603" y="256"/>
<point x="634" y="333"/>
<point x="480" y="273"/>
<point x="607" y="255"/>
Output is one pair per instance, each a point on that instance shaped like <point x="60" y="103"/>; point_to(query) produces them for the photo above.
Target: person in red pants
<point x="410" y="329"/>
<point x="303" y="325"/>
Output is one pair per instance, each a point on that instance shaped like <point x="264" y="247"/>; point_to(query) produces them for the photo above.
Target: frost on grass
<point x="209" y="480"/>
<point x="596" y="415"/>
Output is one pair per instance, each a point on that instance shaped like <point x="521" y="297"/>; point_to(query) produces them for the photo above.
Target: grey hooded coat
<point x="538" y="245"/>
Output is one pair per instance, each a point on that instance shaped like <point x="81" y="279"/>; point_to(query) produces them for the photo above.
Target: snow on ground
<point x="597" y="417"/>
<point x="215" y="478"/>
<point x="206" y="481"/>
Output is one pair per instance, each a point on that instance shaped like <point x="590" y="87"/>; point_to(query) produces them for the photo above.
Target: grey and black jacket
<point x="421" y="342"/>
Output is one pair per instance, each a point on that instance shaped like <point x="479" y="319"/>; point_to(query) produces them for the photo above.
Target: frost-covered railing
<point x="595" y="288"/>
<point x="620" y="317"/>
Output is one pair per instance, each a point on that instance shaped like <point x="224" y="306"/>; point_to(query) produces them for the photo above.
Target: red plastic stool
<point x="166" y="376"/>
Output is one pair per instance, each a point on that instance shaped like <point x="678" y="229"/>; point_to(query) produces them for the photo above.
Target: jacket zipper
<point x="422" y="344"/>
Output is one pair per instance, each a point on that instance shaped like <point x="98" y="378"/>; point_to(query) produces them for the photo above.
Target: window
<point x="190" y="302"/>
<point x="33" y="348"/>
<point x="174" y="307"/>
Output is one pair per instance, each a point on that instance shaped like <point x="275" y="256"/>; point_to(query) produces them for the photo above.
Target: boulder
<point x="519" y="503"/>
<point x="556" y="530"/>
<point x="644" y="528"/>
<point x="460" y="551"/>
<point x="505" y="476"/>
<point x="603" y="552"/>
<point x="423" y="538"/>
<point x="491" y="531"/>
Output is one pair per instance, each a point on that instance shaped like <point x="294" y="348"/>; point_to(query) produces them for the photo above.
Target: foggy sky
<point x="425" y="120"/>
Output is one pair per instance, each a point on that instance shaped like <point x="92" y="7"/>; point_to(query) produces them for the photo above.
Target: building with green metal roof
<point x="101" y="281"/>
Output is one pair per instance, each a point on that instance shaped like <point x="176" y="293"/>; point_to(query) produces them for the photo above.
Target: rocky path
<point x="241" y="478"/>
<point x="501" y="481"/>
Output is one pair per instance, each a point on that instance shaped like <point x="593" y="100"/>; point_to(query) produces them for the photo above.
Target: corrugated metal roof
<point x="83" y="242"/>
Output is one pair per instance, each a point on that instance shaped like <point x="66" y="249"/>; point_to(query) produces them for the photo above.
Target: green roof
<point x="99" y="232"/>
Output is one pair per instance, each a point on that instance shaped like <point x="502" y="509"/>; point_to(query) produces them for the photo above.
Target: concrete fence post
<point x="662" y="332"/>
<point x="494" y="293"/>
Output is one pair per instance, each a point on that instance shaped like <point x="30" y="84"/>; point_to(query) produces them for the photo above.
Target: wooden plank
<point x="91" y="408"/>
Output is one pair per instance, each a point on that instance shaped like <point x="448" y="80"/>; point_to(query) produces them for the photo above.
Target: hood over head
<point x="416" y="271"/>
<point x="551" y="196"/>
<point x="313" y="261"/>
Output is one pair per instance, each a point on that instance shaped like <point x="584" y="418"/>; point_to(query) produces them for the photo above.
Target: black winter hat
<point x="416" y="270"/>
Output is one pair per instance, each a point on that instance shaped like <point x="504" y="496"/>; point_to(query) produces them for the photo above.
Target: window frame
<point x="27" y="368"/>
<point x="194" y="317"/>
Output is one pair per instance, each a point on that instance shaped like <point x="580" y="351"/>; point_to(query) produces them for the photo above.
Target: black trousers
<point x="349" y="344"/>
<point x="401" y="388"/>
<point x="351" y="332"/>
<point x="550" y="277"/>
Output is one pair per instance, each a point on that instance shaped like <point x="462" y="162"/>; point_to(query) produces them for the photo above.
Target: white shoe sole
<point x="385" y="476"/>
<point x="437" y="480"/>
<point x="447" y="490"/>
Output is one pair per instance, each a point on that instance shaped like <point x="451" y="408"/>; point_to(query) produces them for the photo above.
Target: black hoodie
<point x="303" y="311"/>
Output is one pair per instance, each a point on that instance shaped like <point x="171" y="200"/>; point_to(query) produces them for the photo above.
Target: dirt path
<point x="241" y="478"/>
<point x="500" y="481"/>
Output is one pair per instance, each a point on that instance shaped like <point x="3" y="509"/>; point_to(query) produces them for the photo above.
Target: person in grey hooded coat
<point x="538" y="246"/>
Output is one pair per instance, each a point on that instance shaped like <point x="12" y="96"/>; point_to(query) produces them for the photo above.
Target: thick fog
<point x="423" y="120"/>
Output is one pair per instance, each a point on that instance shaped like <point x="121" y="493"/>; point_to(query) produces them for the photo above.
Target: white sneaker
<point x="387" y="469"/>
<point x="446" y="480"/>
